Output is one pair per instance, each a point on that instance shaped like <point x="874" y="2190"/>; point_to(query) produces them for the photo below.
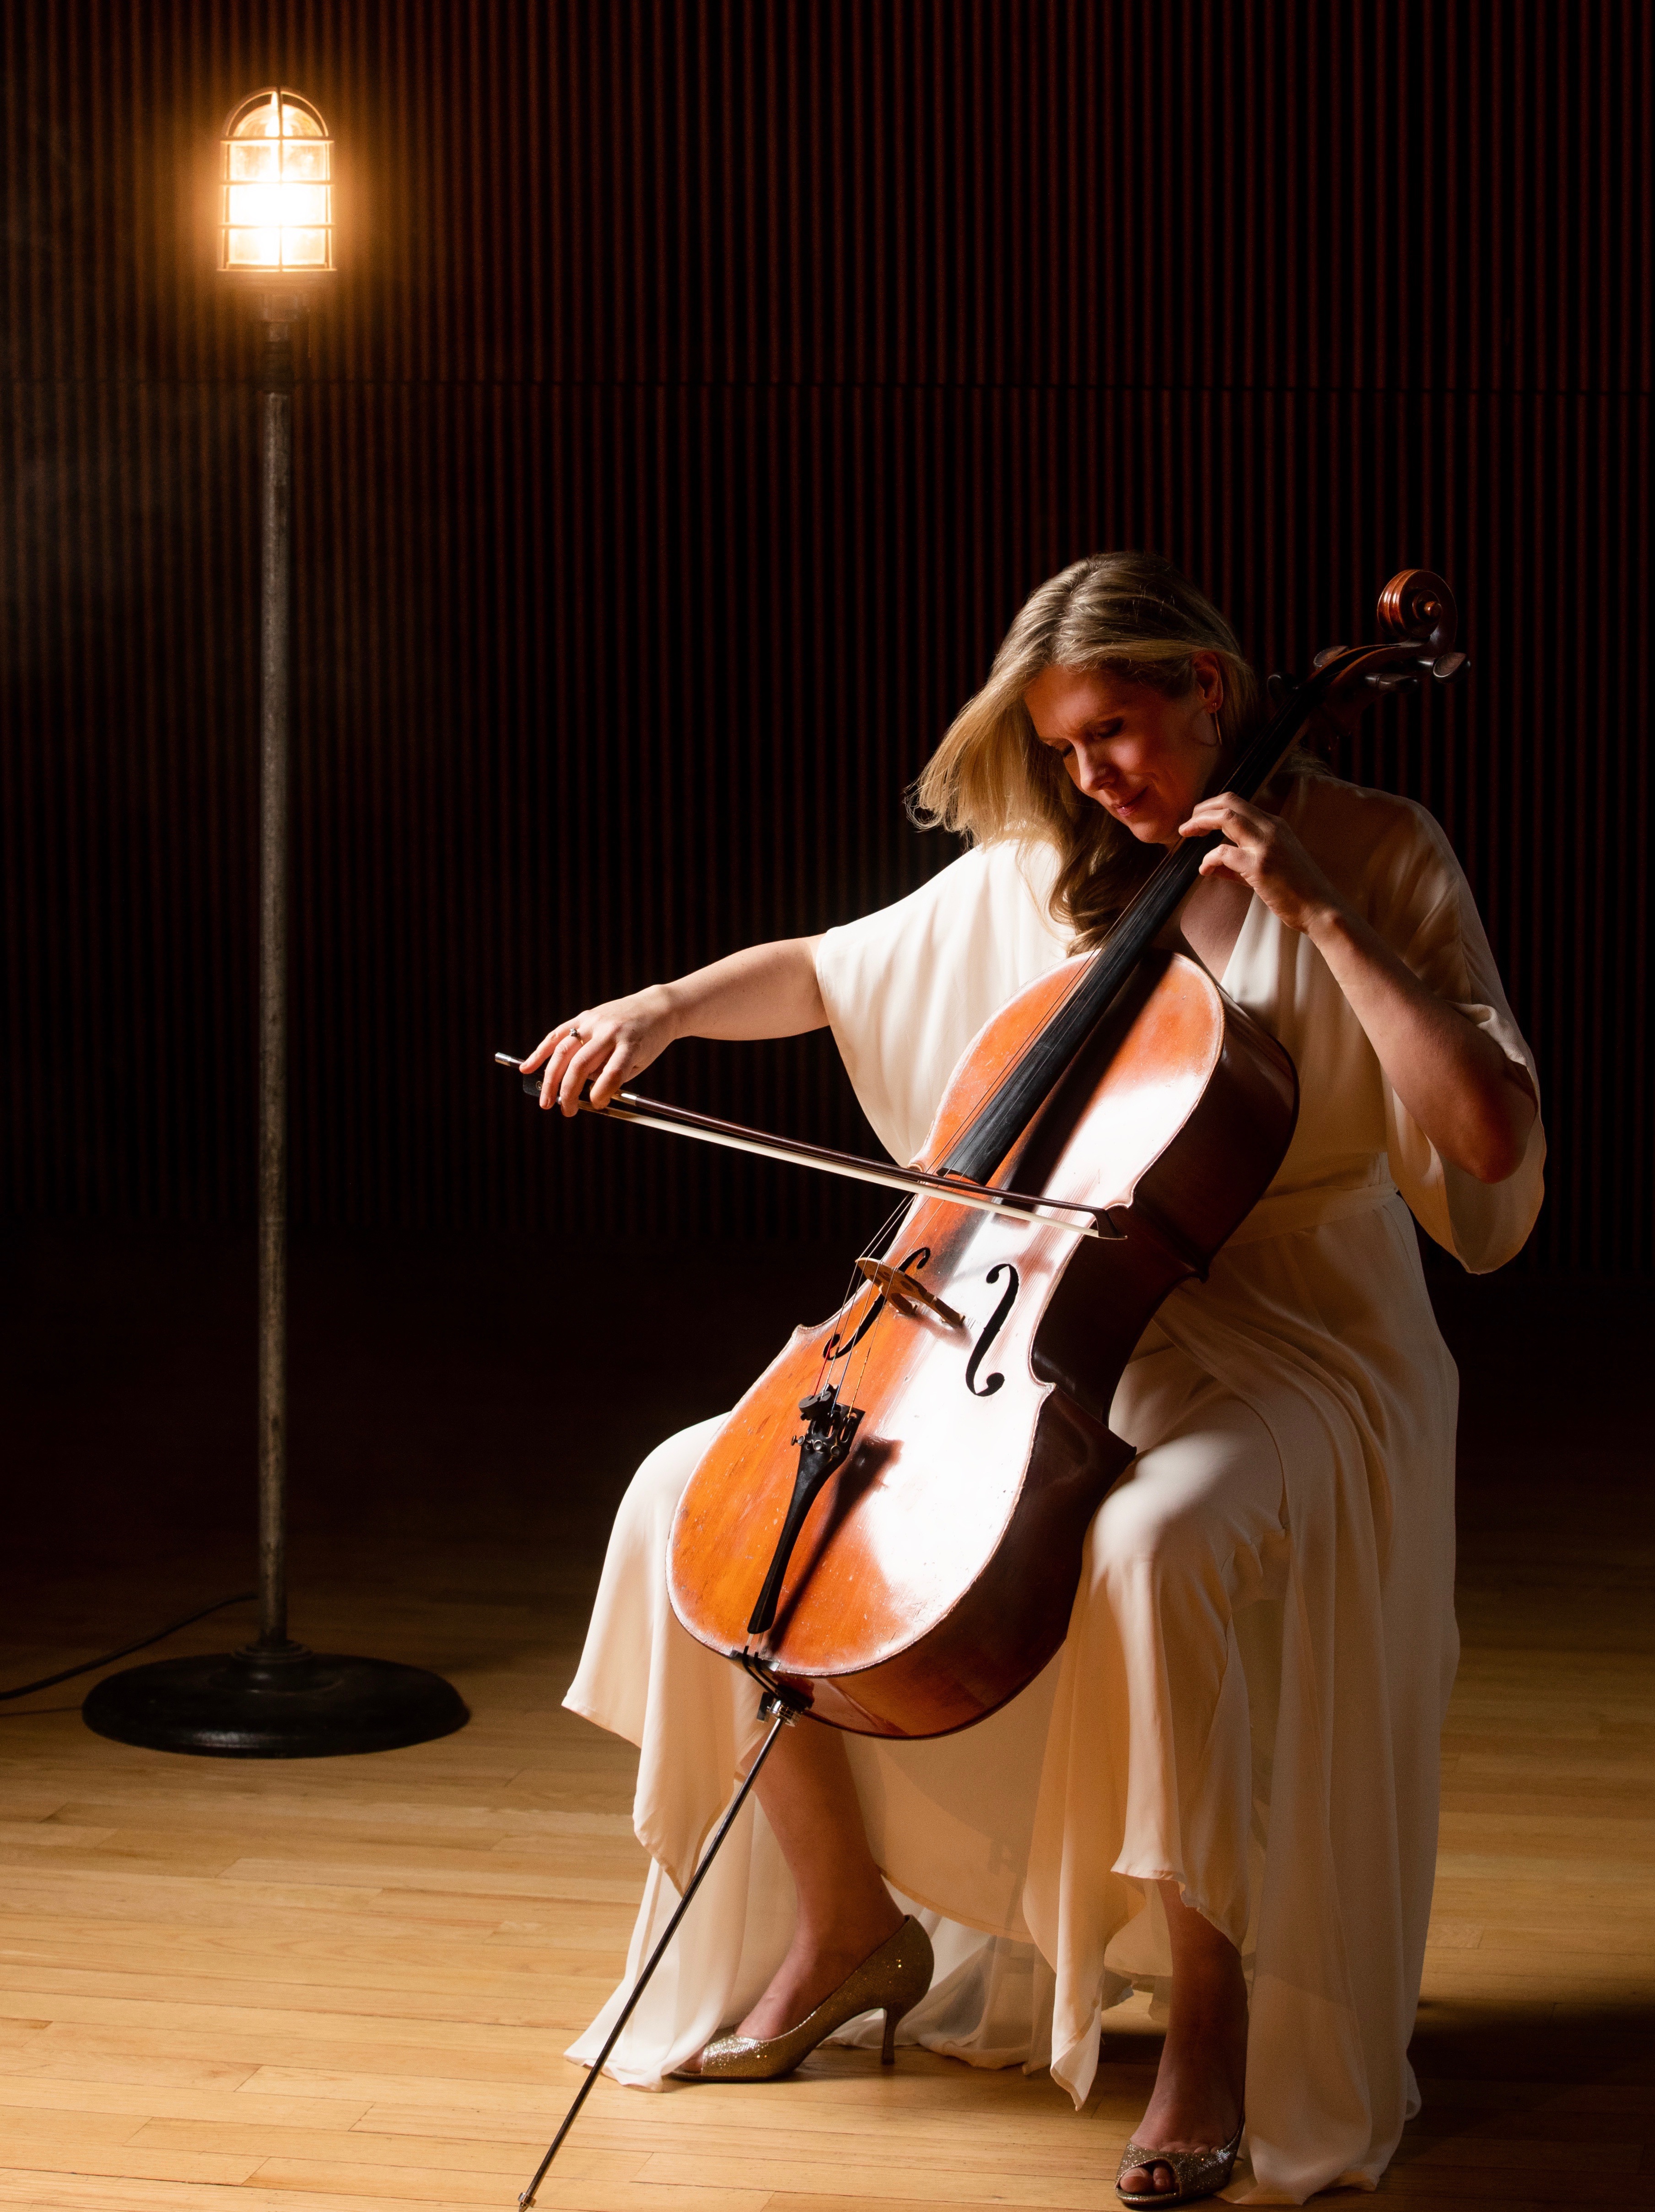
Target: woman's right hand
<point x="767" y="991"/>
<point x="604" y="1046"/>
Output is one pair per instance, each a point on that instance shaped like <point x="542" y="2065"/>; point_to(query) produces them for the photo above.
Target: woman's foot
<point x="890" y="1979"/>
<point x="813" y="1969"/>
<point x="1196" y="2105"/>
<point x="817" y="1961"/>
<point x="845" y="1910"/>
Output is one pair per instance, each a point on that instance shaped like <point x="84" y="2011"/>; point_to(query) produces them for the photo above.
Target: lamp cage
<point x="275" y="213"/>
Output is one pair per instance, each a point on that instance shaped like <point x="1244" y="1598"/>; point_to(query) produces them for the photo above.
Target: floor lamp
<point x="274" y="1698"/>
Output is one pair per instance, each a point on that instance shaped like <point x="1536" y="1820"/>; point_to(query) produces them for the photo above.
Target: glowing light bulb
<point x="276" y="206"/>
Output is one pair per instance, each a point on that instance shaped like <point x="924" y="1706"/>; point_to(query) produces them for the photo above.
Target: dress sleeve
<point x="906" y="988"/>
<point x="1421" y="905"/>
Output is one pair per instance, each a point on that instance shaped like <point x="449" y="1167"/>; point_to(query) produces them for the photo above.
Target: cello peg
<point x="1447" y="665"/>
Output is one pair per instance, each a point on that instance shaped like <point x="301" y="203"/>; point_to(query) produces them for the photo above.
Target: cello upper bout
<point x="1143" y="1073"/>
<point x="992" y="1053"/>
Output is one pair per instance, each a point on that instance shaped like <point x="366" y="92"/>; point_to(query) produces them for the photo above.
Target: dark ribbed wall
<point x="704" y="387"/>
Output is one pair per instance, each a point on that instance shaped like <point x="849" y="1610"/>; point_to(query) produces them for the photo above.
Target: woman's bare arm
<point x="767" y="991"/>
<point x="1473" y="1103"/>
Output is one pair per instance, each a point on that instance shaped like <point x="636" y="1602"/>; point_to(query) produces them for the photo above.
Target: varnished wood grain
<point x="333" y="1985"/>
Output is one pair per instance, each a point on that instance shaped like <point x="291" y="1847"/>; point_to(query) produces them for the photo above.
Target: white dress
<point x="1251" y="1691"/>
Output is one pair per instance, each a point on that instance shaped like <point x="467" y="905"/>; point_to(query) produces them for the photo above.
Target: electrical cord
<point x="91" y="1666"/>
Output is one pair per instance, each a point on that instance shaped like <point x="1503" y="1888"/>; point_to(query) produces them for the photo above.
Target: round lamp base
<point x="274" y="1701"/>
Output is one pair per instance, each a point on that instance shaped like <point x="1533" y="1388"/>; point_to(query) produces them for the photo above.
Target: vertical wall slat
<point x="705" y="383"/>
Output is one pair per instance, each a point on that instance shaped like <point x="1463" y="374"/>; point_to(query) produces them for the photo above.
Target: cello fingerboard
<point x="987" y="1140"/>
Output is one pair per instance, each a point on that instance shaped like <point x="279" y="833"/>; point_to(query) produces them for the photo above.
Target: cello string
<point x="897" y="1213"/>
<point x="855" y="1282"/>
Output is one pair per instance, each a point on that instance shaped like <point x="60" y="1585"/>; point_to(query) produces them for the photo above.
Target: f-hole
<point x="833" y="1349"/>
<point x="995" y="1322"/>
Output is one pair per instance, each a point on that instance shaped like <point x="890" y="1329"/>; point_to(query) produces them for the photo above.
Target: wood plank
<point x="429" y="1874"/>
<point x="566" y="1939"/>
<point x="357" y="2039"/>
<point x="877" y="2181"/>
<point x="341" y="2148"/>
<point x="476" y="2055"/>
<point x="334" y="1980"/>
<point x="68" y="2151"/>
<point x="574" y="2193"/>
<point x="148" y="2100"/>
<point x="55" y="2192"/>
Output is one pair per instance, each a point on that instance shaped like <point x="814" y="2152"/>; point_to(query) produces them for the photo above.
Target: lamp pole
<point x="274" y="1698"/>
<point x="278" y="312"/>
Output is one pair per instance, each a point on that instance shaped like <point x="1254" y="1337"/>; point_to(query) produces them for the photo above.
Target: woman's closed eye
<point x="1098" y="734"/>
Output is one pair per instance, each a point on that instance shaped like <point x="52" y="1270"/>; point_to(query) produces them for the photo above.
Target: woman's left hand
<point x="1266" y="856"/>
<point x="1476" y="1107"/>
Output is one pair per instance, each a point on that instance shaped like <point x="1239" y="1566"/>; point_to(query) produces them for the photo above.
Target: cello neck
<point x="985" y="1142"/>
<point x="1149" y="912"/>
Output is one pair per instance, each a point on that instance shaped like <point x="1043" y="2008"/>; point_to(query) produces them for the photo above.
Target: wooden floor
<point x="347" y="1983"/>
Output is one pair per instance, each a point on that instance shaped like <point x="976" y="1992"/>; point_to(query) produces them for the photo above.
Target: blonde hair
<point x="991" y="778"/>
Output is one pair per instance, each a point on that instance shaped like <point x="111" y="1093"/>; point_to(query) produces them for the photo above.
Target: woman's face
<point x="1144" y="757"/>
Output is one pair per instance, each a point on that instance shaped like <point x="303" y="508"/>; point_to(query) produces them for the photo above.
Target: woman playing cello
<point x="1225" y="1785"/>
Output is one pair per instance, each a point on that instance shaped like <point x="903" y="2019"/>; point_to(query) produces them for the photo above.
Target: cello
<point x="886" y="1532"/>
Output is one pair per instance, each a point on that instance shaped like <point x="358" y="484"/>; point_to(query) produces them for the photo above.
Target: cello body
<point x="934" y="1573"/>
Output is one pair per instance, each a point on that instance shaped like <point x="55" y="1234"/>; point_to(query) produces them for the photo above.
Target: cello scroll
<point x="1416" y="610"/>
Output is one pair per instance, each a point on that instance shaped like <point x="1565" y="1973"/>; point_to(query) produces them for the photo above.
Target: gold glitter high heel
<point x="1195" y="2172"/>
<point x="894" y="1977"/>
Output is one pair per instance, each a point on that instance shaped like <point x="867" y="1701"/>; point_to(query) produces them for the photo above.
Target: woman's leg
<point x="806" y="1789"/>
<point x="1191" y="1535"/>
<point x="1196" y="2105"/>
<point x="845" y="1910"/>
